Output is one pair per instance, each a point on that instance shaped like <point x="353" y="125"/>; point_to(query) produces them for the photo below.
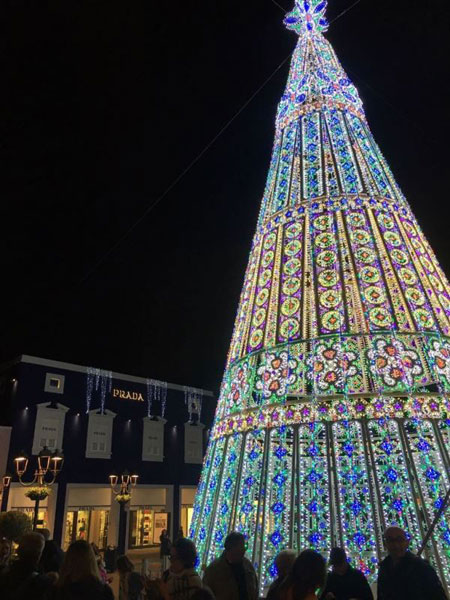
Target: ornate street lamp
<point x="6" y="480"/>
<point x="49" y="466"/>
<point x="122" y="490"/>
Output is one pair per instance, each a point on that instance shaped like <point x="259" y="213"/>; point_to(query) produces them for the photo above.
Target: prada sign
<point x="127" y="395"/>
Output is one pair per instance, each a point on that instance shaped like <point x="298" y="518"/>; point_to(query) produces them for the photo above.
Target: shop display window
<point x="87" y="524"/>
<point x="42" y="520"/>
<point x="146" y="525"/>
<point x="186" y="517"/>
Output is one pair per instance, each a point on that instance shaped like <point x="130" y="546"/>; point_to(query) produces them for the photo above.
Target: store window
<point x="187" y="507"/>
<point x="146" y="525"/>
<point x="87" y="524"/>
<point x="186" y="517"/>
<point x="42" y="520"/>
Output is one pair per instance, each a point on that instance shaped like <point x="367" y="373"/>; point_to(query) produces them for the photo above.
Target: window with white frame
<point x="193" y="443"/>
<point x="49" y="427"/>
<point x="54" y="383"/>
<point x="99" y="434"/>
<point x="153" y="439"/>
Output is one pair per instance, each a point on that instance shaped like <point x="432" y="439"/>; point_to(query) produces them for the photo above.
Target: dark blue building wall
<point x="126" y="452"/>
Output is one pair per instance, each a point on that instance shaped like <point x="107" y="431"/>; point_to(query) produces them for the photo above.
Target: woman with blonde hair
<point x="79" y="577"/>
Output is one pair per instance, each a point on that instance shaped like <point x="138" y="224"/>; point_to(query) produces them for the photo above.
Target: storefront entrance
<point x="87" y="524"/>
<point x="186" y="517"/>
<point x="187" y="496"/>
<point x="146" y="525"/>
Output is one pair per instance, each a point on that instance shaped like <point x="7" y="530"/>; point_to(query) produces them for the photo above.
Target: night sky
<point x="106" y="102"/>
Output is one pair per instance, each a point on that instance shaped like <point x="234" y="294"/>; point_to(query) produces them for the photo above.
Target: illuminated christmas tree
<point x="332" y="421"/>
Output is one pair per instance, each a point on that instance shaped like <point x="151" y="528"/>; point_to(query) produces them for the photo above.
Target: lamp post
<point x="122" y="490"/>
<point x="39" y="486"/>
<point x="6" y="480"/>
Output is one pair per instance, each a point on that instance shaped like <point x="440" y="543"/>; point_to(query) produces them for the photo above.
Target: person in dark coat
<point x="22" y="580"/>
<point x="52" y="555"/>
<point x="344" y="582"/>
<point x="164" y="549"/>
<point x="179" y="536"/>
<point x="79" y="578"/>
<point x="404" y="576"/>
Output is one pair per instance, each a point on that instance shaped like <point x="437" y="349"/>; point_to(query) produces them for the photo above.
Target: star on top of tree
<point x="308" y="16"/>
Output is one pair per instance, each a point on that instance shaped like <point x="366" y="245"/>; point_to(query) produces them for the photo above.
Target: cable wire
<point x="181" y="175"/>
<point x="341" y="14"/>
<point x="132" y="227"/>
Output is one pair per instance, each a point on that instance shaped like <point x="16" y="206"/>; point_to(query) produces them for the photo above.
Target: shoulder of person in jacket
<point x="221" y="561"/>
<point x="421" y="570"/>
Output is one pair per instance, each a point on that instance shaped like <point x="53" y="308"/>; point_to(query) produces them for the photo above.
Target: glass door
<point x="89" y="525"/>
<point x="141" y="528"/>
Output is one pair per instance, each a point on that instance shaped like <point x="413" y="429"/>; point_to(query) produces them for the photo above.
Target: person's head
<point x="235" y="547"/>
<point x="44" y="532"/>
<point x="338" y="560"/>
<point x="183" y="555"/>
<point x="30" y="548"/>
<point x="124" y="564"/>
<point x="396" y="542"/>
<point x="79" y="563"/>
<point x="308" y="573"/>
<point x="284" y="561"/>
<point x="5" y="550"/>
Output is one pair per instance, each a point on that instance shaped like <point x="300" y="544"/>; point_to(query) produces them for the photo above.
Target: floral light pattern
<point x="276" y="374"/>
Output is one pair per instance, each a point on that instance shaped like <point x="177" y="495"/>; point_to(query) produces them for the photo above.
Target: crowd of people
<point x="41" y="571"/>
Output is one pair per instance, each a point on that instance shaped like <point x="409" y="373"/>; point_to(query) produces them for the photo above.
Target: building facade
<point x="104" y="423"/>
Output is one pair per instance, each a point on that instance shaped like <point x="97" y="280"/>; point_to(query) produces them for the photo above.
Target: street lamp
<point x="6" y="480"/>
<point x="122" y="490"/>
<point x="48" y="464"/>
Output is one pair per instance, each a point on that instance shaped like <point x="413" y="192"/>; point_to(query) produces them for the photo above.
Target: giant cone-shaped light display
<point x="332" y="418"/>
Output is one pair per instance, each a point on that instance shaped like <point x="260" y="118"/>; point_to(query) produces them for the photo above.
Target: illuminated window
<point x="54" y="383"/>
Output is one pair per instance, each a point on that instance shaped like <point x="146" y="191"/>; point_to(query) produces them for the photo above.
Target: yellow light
<point x="44" y="458"/>
<point x="21" y="464"/>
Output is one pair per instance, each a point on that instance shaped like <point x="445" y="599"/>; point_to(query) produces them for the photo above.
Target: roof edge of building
<point x="56" y="364"/>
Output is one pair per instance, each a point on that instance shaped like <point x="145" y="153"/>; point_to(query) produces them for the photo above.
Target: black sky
<point x="104" y="104"/>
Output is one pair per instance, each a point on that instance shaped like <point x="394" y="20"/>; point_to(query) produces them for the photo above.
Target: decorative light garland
<point x="97" y="379"/>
